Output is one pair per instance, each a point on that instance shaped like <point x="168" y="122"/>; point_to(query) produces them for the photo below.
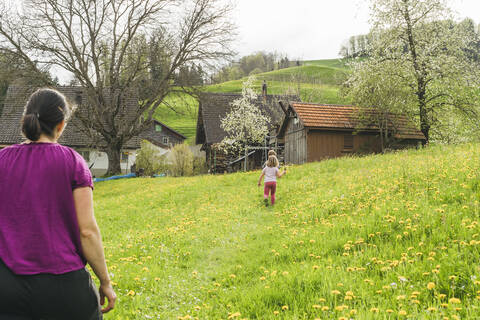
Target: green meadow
<point x="315" y="81"/>
<point x="391" y="236"/>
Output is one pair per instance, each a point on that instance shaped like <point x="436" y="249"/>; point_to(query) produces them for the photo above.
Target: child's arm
<point x="260" y="180"/>
<point x="279" y="175"/>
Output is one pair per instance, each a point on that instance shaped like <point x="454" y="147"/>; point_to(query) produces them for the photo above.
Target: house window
<point x="124" y="157"/>
<point x="165" y="140"/>
<point x="158" y="128"/>
<point x="348" y="142"/>
<point x="85" y="155"/>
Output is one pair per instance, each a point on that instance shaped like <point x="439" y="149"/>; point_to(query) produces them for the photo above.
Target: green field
<point x="380" y="237"/>
<point x="179" y="111"/>
<point x="333" y="63"/>
<point x="315" y="81"/>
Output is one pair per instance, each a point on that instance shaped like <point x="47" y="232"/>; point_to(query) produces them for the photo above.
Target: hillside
<point x="380" y="237"/>
<point x="316" y="81"/>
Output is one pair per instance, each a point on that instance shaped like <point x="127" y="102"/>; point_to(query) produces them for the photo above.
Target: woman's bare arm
<point x="91" y="241"/>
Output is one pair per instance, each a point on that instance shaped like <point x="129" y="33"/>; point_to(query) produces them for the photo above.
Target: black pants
<point x="69" y="296"/>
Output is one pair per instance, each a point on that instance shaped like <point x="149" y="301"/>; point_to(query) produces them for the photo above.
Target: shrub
<point x="150" y="160"/>
<point x="199" y="165"/>
<point x="182" y="161"/>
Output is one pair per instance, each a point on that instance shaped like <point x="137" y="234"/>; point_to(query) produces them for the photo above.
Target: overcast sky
<point x="311" y="29"/>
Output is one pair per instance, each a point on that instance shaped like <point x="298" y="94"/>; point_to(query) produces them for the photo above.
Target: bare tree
<point x="106" y="45"/>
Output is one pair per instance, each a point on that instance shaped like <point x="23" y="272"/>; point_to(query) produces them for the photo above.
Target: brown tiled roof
<point x="214" y="106"/>
<point x="73" y="136"/>
<point x="348" y="117"/>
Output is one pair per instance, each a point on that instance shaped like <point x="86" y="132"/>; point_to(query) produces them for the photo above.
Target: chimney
<point x="264" y="91"/>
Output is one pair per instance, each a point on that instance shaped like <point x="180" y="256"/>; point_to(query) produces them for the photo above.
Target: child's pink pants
<point x="270" y="187"/>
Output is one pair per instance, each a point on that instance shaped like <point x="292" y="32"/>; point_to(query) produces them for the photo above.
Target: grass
<point x="179" y="111"/>
<point x="308" y="91"/>
<point x="332" y="63"/>
<point x="380" y="237"/>
<point x="317" y="81"/>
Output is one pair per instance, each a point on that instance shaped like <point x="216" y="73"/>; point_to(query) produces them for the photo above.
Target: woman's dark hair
<point x="45" y="109"/>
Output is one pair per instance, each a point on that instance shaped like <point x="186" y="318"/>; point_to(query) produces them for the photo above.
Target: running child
<point x="270" y="153"/>
<point x="270" y="172"/>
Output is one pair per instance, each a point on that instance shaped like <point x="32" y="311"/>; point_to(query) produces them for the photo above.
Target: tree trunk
<point x="424" y="124"/>
<point x="419" y="72"/>
<point x="114" y="153"/>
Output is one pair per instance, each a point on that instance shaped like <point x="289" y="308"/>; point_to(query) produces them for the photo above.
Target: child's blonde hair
<point x="272" y="161"/>
<point x="272" y="153"/>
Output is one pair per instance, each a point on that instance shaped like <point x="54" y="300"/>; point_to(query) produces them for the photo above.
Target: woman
<point x="48" y="230"/>
<point x="271" y="173"/>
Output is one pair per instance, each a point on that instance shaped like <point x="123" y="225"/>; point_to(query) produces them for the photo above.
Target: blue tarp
<point x="130" y="175"/>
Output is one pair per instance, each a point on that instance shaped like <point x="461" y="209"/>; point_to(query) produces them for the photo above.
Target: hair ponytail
<point x="31" y="127"/>
<point x="45" y="109"/>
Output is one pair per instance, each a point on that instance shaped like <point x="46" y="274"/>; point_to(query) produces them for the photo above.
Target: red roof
<point x="347" y="117"/>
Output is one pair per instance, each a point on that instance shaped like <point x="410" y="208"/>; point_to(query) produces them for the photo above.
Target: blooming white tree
<point x="245" y="124"/>
<point x="371" y="85"/>
<point x="419" y="49"/>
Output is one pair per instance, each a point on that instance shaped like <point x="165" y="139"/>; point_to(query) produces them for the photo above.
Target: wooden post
<point x="215" y="161"/>
<point x="245" y="163"/>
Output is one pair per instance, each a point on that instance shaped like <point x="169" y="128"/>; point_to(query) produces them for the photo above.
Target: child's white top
<point x="270" y="174"/>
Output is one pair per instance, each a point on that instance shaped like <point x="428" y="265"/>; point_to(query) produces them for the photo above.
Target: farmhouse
<point x="75" y="136"/>
<point x="215" y="106"/>
<point x="313" y="132"/>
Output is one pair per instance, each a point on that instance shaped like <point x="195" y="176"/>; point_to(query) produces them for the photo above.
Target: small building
<point x="213" y="107"/>
<point x="313" y="132"/>
<point x="74" y="135"/>
<point x="162" y="136"/>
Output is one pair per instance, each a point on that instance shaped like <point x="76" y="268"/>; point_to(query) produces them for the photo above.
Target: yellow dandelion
<point x="234" y="315"/>
<point x="284" y="308"/>
<point x="454" y="301"/>
<point x="402" y="313"/>
<point x="131" y="293"/>
<point x="430" y="286"/>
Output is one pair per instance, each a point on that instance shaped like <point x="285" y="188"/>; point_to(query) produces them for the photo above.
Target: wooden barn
<point x="215" y="106"/>
<point x="313" y="132"/>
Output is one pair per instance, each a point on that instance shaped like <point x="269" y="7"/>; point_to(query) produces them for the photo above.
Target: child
<point x="271" y="153"/>
<point x="271" y="172"/>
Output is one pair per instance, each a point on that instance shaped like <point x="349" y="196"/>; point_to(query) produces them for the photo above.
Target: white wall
<point x="100" y="161"/>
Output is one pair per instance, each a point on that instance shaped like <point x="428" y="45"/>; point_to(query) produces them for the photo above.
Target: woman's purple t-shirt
<point x="38" y="223"/>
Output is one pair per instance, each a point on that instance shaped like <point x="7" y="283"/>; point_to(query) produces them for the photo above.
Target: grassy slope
<point x="180" y="113"/>
<point x="358" y="238"/>
<point x="317" y="81"/>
